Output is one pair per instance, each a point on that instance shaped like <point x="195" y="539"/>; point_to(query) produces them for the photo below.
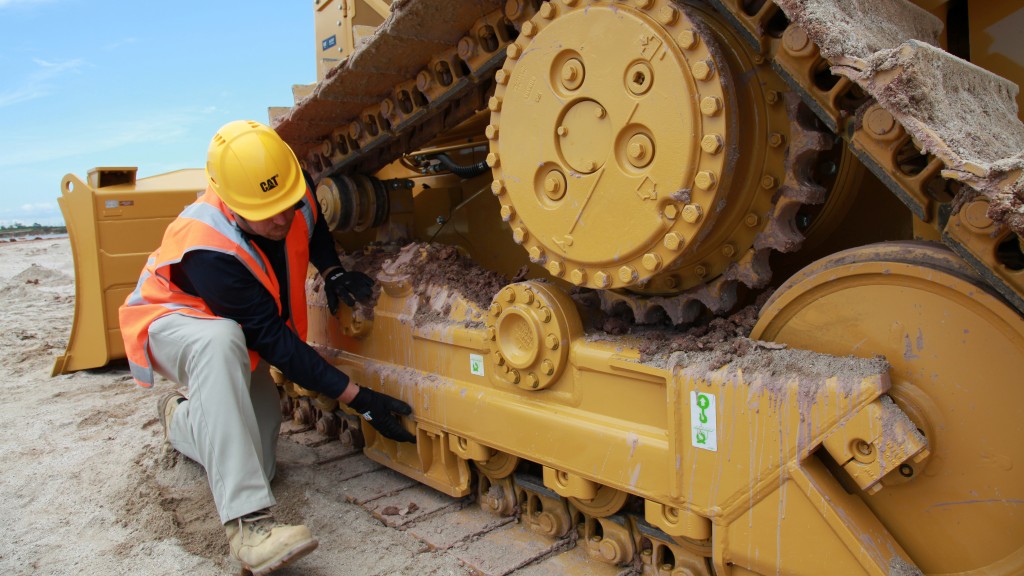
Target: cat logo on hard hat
<point x="269" y="184"/>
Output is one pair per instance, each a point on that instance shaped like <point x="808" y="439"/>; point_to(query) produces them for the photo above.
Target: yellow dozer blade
<point x="114" y="221"/>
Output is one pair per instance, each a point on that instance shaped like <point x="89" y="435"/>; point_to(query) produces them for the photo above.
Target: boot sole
<point x="291" y="555"/>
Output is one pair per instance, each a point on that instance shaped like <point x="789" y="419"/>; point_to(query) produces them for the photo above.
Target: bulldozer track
<point x="485" y="542"/>
<point x="432" y="65"/>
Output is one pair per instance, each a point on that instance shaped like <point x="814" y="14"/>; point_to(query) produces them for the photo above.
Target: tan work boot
<point x="263" y="544"/>
<point x="165" y="408"/>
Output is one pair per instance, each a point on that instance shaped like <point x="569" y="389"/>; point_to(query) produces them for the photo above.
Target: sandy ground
<point x="86" y="487"/>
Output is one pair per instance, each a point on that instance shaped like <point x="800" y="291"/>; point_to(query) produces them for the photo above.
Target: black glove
<point x="377" y="408"/>
<point x="348" y="286"/>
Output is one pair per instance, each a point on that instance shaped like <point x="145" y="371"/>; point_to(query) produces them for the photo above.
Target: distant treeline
<point x="26" y="230"/>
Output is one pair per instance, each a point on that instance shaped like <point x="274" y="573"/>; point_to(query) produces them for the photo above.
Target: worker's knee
<point x="221" y="338"/>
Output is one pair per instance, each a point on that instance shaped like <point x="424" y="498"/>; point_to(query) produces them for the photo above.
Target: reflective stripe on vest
<point x="208" y="224"/>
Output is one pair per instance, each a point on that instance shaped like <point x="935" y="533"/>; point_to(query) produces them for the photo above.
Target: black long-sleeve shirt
<point x="232" y="292"/>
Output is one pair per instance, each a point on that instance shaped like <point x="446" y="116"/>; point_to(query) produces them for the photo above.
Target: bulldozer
<point x="711" y="287"/>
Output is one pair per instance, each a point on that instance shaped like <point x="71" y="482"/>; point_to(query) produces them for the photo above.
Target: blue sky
<point x="102" y="83"/>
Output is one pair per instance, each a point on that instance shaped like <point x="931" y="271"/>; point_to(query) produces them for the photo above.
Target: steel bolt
<point x="643" y="4"/>
<point x="519" y="235"/>
<point x="497" y="187"/>
<point x="536" y="254"/>
<point x="513" y="51"/>
<point x="551" y="341"/>
<point x="529" y="29"/>
<point x="627" y="274"/>
<point x="768" y="182"/>
<point x="599" y="112"/>
<point x="701" y="70"/>
<point x="652" y="262"/>
<point x="466" y="48"/>
<point x="692" y="213"/>
<point x="772" y="96"/>
<point x="494" y="104"/>
<point x="670" y="211"/>
<point x="795" y="39"/>
<point x="493" y="160"/>
<point x="556" y="268"/>
<point x="501" y="77"/>
<point x="507" y="212"/>
<point x="776" y="139"/>
<point x="879" y="121"/>
<point x="424" y="81"/>
<point x="547" y="11"/>
<point x="710" y="105"/>
<point x="547" y="368"/>
<point x="687" y="39"/>
<point x="751" y="220"/>
<point x="495" y="309"/>
<point x="602" y="280"/>
<point x="728" y="250"/>
<point x="668" y="15"/>
<point x="673" y="241"/>
<point x="578" y="276"/>
<point x="711" y="143"/>
<point x="705" y="180"/>
<point x="562" y="130"/>
<point x="572" y="74"/>
<point x="491" y="132"/>
<point x="700" y="271"/>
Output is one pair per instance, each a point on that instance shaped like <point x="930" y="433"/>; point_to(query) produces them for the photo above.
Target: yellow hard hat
<point x="253" y="170"/>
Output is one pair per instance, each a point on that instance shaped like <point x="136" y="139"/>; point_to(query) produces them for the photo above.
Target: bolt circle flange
<point x="533" y="325"/>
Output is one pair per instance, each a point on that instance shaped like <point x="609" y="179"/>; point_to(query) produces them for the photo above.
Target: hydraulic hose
<point x="461" y="171"/>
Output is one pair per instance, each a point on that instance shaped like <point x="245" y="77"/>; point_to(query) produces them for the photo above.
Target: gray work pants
<point x="232" y="418"/>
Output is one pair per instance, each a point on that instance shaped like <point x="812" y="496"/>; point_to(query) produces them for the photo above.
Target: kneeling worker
<point x="226" y="288"/>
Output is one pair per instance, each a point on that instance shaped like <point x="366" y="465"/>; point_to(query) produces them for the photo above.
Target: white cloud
<point x="40" y="82"/>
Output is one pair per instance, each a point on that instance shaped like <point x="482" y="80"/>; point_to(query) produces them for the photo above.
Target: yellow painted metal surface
<point x="114" y="221"/>
<point x="957" y="352"/>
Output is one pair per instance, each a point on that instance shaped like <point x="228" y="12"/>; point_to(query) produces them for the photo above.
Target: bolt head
<point x="627" y="274"/>
<point x="673" y="241"/>
<point x="556" y="268"/>
<point x="551" y="341"/>
<point x="712" y="143"/>
<point x="547" y="368"/>
<point x="700" y="271"/>
<point x="652" y="262"/>
<point x="768" y="182"/>
<point x="705" y="180"/>
<point x="536" y="254"/>
<point x="519" y="235"/>
<point x="513" y="51"/>
<point x="602" y="280"/>
<point x="692" y="213"/>
<point x="687" y="39"/>
<point x="578" y="276"/>
<point x="670" y="211"/>
<point x="493" y="160"/>
<point x="497" y="187"/>
<point x="507" y="212"/>
<point x="494" y="104"/>
<point x="701" y="70"/>
<point x="710" y="105"/>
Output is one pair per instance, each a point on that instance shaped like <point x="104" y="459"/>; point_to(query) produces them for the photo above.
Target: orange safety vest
<point x="208" y="224"/>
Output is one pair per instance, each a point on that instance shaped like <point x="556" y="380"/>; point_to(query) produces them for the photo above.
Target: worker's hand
<point x="377" y="408"/>
<point x="348" y="286"/>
